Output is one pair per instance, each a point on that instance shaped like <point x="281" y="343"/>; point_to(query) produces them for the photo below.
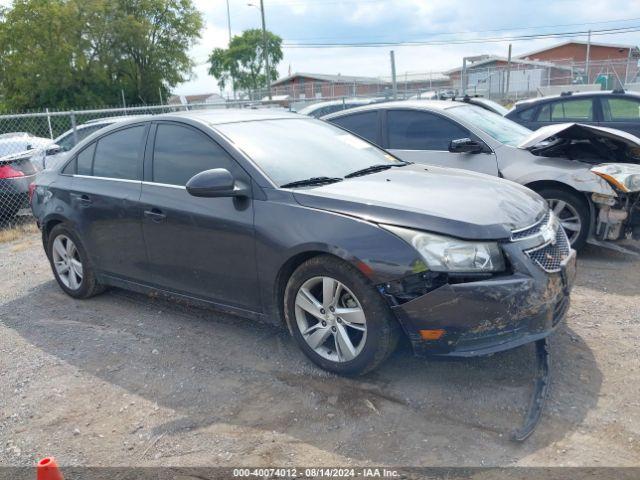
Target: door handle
<point x="155" y="214"/>
<point x="82" y="198"/>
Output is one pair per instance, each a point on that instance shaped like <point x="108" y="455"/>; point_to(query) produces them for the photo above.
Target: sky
<point x="313" y="21"/>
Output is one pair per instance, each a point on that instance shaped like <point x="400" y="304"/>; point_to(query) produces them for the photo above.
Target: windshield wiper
<point x="373" y="169"/>
<point x="311" y="181"/>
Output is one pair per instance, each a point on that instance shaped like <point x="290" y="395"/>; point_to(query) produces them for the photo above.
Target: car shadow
<point x="218" y="369"/>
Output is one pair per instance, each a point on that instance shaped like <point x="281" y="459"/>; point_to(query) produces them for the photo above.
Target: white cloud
<point x="394" y="20"/>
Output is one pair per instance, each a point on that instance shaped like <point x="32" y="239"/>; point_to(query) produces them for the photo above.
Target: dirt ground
<point x="123" y="379"/>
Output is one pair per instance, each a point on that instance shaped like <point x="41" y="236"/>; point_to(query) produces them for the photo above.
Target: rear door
<point x="203" y="247"/>
<point x="105" y="197"/>
<point x="621" y="112"/>
<point x="424" y="137"/>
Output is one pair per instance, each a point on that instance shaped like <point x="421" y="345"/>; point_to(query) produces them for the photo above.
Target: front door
<point x="202" y="247"/>
<point x="622" y="113"/>
<point x="424" y="137"/>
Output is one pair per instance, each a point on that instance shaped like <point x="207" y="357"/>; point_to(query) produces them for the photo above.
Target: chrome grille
<point x="532" y="230"/>
<point x="550" y="256"/>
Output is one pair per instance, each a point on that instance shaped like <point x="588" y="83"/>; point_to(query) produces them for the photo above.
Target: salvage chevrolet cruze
<point x="272" y="215"/>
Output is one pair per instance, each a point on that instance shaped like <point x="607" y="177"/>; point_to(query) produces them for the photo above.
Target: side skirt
<point x="196" y="301"/>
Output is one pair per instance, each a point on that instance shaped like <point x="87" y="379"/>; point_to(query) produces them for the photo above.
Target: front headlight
<point x="446" y="254"/>
<point x="625" y="177"/>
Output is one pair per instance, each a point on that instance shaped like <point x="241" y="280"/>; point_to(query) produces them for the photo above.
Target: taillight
<point x="32" y="189"/>
<point x="7" y="171"/>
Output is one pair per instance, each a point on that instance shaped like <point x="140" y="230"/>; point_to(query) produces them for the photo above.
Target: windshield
<point x="288" y="150"/>
<point x="502" y="129"/>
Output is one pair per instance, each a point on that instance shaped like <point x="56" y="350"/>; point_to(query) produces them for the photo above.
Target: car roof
<point x="532" y="101"/>
<point x="412" y="104"/>
<point x="329" y="103"/>
<point x="209" y="117"/>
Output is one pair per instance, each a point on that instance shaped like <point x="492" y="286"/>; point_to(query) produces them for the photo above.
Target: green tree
<point x="242" y="64"/>
<point x="76" y="53"/>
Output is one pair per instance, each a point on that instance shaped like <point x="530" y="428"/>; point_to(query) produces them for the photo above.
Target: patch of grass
<point x="19" y="231"/>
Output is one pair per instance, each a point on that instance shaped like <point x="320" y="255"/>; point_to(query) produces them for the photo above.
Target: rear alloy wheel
<point x="66" y="261"/>
<point x="70" y="263"/>
<point x="339" y="320"/>
<point x="572" y="211"/>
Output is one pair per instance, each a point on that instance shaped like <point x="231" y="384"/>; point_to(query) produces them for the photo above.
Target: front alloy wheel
<point x="568" y="216"/>
<point x="331" y="319"/>
<point x="337" y="316"/>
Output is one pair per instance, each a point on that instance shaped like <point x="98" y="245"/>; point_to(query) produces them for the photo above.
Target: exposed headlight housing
<point x="623" y="176"/>
<point x="446" y="254"/>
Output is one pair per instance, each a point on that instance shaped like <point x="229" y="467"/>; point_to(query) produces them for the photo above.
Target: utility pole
<point x="463" y="76"/>
<point x="588" y="55"/>
<point x="508" y="72"/>
<point x="265" y="49"/>
<point x="233" y="83"/>
<point x="394" y="84"/>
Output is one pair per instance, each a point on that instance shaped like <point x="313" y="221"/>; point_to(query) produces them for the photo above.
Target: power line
<point x="510" y="29"/>
<point x="610" y="31"/>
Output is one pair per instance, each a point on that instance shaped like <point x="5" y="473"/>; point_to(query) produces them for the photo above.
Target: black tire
<point x="579" y="204"/>
<point x="89" y="285"/>
<point x="8" y="211"/>
<point x="382" y="328"/>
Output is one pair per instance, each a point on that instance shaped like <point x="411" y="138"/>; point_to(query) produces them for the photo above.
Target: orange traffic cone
<point x="48" y="470"/>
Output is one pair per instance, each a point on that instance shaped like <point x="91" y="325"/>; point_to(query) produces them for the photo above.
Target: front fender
<point x="286" y="230"/>
<point x="524" y="168"/>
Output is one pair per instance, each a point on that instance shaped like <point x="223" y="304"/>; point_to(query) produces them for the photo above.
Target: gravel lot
<point x="123" y="379"/>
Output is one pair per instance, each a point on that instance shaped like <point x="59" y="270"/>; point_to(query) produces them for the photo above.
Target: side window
<point x="85" y="160"/>
<point x="567" y="111"/>
<point x="66" y="142"/>
<point x="621" y="109"/>
<point x="117" y="154"/>
<point x="182" y="152"/>
<point x="364" y="124"/>
<point x="413" y="130"/>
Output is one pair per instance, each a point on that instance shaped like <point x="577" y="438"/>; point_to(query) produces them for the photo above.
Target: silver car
<point x="589" y="175"/>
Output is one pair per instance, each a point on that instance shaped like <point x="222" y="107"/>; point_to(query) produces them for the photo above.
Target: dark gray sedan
<point x="271" y="215"/>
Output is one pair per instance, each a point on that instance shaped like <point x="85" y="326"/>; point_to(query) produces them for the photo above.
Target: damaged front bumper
<point x="490" y="315"/>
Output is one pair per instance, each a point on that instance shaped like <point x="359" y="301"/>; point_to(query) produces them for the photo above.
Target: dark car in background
<point x="272" y="215"/>
<point x="614" y="109"/>
<point x="16" y="174"/>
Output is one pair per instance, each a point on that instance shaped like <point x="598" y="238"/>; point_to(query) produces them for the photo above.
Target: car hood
<point x="447" y="201"/>
<point x="576" y="131"/>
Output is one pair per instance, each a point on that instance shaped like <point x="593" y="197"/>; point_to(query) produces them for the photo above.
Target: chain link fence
<point x="30" y="142"/>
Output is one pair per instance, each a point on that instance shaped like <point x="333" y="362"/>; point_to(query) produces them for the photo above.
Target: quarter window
<point x="85" y="160"/>
<point x="364" y="124"/>
<point x="181" y="152"/>
<point x="413" y="130"/>
<point x="117" y="154"/>
<point x="567" y="111"/>
<point x="621" y="110"/>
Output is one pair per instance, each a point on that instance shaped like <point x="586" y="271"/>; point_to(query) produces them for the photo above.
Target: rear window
<point x="117" y="154"/>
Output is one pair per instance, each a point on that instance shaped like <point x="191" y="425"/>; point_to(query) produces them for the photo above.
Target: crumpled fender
<point x="573" y="173"/>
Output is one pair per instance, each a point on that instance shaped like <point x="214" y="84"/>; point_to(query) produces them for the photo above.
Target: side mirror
<point x="465" y="145"/>
<point x="53" y="150"/>
<point x="217" y="182"/>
